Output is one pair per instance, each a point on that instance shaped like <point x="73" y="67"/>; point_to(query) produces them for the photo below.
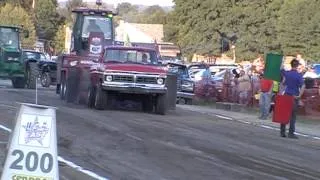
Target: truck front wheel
<point x="161" y="104"/>
<point x="45" y="79"/>
<point x="147" y="104"/>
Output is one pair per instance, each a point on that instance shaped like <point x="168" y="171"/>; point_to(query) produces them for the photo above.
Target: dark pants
<point x="292" y="127"/>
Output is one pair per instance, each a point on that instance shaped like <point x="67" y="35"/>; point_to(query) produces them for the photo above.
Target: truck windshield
<point x="132" y="56"/>
<point x="97" y="24"/>
<point x="9" y="37"/>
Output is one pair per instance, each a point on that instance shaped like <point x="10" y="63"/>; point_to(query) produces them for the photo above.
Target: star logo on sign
<point x="35" y="131"/>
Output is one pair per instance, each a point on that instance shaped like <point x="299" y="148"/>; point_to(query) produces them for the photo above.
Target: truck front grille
<point x="179" y="84"/>
<point x="123" y="78"/>
<point x="147" y="80"/>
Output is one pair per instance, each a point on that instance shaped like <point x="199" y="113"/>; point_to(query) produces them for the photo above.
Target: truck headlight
<point x="73" y="63"/>
<point x="160" y="81"/>
<point x="108" y="78"/>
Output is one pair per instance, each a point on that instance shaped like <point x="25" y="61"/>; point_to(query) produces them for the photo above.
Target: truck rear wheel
<point x="83" y="87"/>
<point x="161" y="104"/>
<point x="72" y="86"/>
<point x="63" y="87"/>
<point x="32" y="75"/>
<point x="18" y="82"/>
<point x="101" y="98"/>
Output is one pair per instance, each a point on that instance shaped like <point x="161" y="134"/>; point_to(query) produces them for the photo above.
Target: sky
<point x="140" y="2"/>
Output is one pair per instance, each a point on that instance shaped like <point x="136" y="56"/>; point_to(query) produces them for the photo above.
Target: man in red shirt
<point x="265" y="97"/>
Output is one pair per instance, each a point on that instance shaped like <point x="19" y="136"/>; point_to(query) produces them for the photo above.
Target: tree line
<point x="260" y="26"/>
<point x="39" y="17"/>
<point x="197" y="26"/>
<point x="46" y="21"/>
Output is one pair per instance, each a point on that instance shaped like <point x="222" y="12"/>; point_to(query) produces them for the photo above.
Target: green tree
<point x="26" y="4"/>
<point x="150" y="15"/>
<point x="197" y="25"/>
<point x="59" y="40"/>
<point x="16" y="15"/>
<point x="125" y="8"/>
<point x="128" y="12"/>
<point x="71" y="5"/>
<point x="153" y="15"/>
<point x="299" y="28"/>
<point x="171" y="28"/>
<point x="47" y="19"/>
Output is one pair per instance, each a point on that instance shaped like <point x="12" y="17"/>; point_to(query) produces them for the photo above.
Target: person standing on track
<point x="294" y="86"/>
<point x="275" y="91"/>
<point x="265" y="97"/>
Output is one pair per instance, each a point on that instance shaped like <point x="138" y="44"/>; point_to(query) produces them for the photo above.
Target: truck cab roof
<point x="91" y="11"/>
<point x="130" y="48"/>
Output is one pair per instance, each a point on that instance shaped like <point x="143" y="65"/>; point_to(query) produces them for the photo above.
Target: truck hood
<point x="139" y="68"/>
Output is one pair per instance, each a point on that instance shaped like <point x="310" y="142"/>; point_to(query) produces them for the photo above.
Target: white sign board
<point x="32" y="153"/>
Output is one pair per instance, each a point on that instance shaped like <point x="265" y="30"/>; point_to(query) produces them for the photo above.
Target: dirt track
<point x="181" y="145"/>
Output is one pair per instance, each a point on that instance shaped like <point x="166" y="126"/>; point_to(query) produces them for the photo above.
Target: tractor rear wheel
<point x="32" y="75"/>
<point x="83" y="87"/>
<point x="18" y="82"/>
<point x="72" y="85"/>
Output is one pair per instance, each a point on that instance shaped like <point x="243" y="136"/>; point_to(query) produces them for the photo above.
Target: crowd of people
<point x="246" y="85"/>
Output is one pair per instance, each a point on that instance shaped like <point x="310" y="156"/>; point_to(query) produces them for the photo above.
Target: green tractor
<point x="22" y="72"/>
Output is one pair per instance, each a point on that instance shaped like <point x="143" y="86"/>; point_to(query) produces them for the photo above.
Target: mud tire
<point x="45" y="79"/>
<point x="63" y="87"/>
<point x="18" y="82"/>
<point x="32" y="75"/>
<point x="101" y="98"/>
<point x="147" y="104"/>
<point x="72" y="86"/>
<point x="161" y="104"/>
<point x="91" y="97"/>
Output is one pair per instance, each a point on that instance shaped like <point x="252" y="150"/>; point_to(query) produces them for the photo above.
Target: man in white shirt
<point x="302" y="62"/>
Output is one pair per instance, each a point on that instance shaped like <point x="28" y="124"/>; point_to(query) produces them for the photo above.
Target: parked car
<point x="215" y="69"/>
<point x="47" y="68"/>
<point x="185" y="86"/>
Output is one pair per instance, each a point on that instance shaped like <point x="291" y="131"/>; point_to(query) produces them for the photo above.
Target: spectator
<point x="310" y="73"/>
<point x="206" y="75"/>
<point x="206" y="80"/>
<point x="244" y="87"/>
<point x="265" y="97"/>
<point x="294" y="86"/>
<point x="275" y="90"/>
<point x="235" y="86"/>
<point x="302" y="63"/>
